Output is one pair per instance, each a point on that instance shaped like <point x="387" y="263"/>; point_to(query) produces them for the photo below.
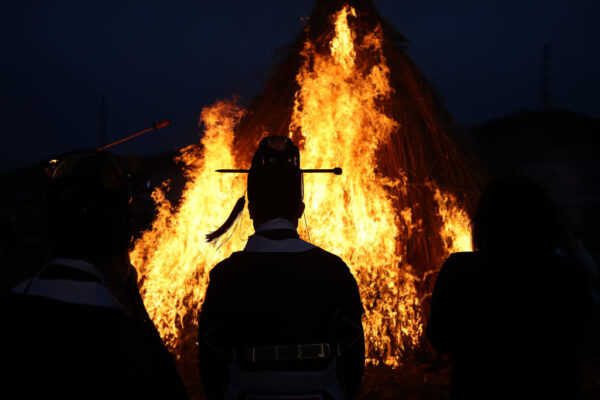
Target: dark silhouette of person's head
<point x="515" y="215"/>
<point x="89" y="215"/>
<point x="275" y="181"/>
<point x="275" y="188"/>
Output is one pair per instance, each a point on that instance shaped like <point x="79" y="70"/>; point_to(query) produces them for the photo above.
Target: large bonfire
<point x="349" y="97"/>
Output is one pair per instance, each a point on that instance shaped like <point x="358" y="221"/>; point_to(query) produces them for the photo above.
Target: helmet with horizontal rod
<point x="275" y="183"/>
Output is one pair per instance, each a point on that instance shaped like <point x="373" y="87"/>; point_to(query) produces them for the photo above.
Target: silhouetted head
<point x="275" y="181"/>
<point x="89" y="208"/>
<point x="515" y="215"/>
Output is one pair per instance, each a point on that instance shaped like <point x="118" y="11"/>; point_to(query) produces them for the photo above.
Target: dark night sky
<point x="168" y="59"/>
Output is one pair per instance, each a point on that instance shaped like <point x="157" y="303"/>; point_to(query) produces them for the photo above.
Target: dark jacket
<point x="512" y="325"/>
<point x="73" y="349"/>
<point x="261" y="297"/>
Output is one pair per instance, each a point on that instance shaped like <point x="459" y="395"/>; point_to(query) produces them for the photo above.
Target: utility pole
<point x="545" y="83"/>
<point x="102" y="120"/>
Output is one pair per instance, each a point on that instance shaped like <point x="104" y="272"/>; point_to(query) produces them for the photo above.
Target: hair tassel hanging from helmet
<point x="235" y="214"/>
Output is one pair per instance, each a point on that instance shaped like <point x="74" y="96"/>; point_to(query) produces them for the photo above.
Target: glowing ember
<point x="337" y="121"/>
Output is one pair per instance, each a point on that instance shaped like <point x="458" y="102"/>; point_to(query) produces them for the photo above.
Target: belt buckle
<point x="289" y="353"/>
<point x="314" y="351"/>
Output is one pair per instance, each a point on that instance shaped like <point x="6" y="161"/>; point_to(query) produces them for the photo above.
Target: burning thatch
<point x="349" y="97"/>
<point x="425" y="150"/>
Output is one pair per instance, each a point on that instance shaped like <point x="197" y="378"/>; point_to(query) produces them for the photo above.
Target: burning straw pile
<point x="349" y="97"/>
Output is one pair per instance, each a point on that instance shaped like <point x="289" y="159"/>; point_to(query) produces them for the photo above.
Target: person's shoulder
<point x="225" y="267"/>
<point x="463" y="258"/>
<point x="326" y="261"/>
<point x="318" y="252"/>
<point x="42" y="306"/>
<point x="314" y="257"/>
<point x="461" y="262"/>
<point x="320" y="255"/>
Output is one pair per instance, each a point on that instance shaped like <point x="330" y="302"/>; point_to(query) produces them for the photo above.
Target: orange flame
<point x="456" y="231"/>
<point x="173" y="257"/>
<point x="337" y="115"/>
<point x="338" y="120"/>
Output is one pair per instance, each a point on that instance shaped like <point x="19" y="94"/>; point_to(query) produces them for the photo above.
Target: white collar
<point x="261" y="244"/>
<point x="71" y="291"/>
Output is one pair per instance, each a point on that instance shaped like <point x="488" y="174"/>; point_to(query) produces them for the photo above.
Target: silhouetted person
<point x="283" y="315"/>
<point x="79" y="328"/>
<point x="511" y="315"/>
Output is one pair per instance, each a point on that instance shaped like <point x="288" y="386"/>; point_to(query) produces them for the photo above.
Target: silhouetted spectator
<point x="282" y="316"/>
<point x="512" y="314"/>
<point x="79" y="328"/>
